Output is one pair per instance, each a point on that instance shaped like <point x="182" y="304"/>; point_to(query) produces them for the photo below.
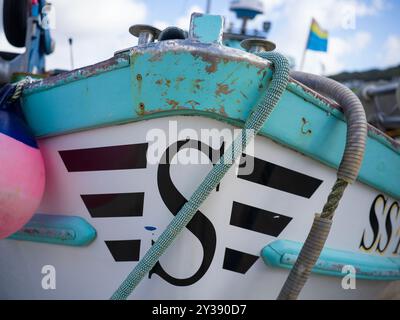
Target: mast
<point x="208" y="7"/>
<point x="71" y="54"/>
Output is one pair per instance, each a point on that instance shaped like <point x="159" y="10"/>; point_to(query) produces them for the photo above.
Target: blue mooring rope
<point x="253" y="125"/>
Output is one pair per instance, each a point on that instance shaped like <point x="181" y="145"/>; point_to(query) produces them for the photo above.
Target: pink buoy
<point x="22" y="174"/>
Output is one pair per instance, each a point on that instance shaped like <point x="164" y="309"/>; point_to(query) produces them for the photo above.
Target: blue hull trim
<point x="56" y="229"/>
<point x="283" y="254"/>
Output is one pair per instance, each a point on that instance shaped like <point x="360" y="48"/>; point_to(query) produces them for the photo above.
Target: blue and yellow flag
<point x="318" y="38"/>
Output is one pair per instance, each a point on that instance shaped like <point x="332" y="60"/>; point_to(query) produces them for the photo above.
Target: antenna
<point x="208" y="7"/>
<point x="71" y="53"/>
<point x="246" y="10"/>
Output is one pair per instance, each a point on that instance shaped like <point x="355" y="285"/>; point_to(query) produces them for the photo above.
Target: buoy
<point x="22" y="173"/>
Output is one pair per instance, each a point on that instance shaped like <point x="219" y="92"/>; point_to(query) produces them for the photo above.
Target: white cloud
<point x="390" y="55"/>
<point x="98" y="27"/>
<point x="160" y="24"/>
<point x="333" y="61"/>
<point x="361" y="40"/>
<point x="183" y="22"/>
<point x="332" y="15"/>
<point x="340" y="48"/>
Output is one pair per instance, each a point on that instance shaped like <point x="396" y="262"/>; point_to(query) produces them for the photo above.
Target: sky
<point x="363" y="34"/>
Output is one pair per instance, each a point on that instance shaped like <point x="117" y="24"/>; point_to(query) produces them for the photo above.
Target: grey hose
<point x="349" y="168"/>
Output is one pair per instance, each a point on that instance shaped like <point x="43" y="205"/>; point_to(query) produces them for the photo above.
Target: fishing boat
<point x="124" y="144"/>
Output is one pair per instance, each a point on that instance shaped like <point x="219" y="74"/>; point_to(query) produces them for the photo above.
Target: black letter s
<point x="373" y="221"/>
<point x="200" y="225"/>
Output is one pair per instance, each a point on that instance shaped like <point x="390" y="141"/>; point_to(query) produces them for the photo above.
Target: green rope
<point x="253" y="125"/>
<point x="334" y="199"/>
<point x="313" y="245"/>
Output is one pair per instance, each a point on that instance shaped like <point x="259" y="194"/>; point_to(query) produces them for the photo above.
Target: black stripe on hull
<point x="258" y="220"/>
<point x="238" y="261"/>
<point x="124" y="157"/>
<point x="271" y="175"/>
<point x="124" y="250"/>
<point x="115" y="205"/>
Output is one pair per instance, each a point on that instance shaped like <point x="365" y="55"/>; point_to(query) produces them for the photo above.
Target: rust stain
<point x="197" y="84"/>
<point x="222" y="111"/>
<point x="222" y="89"/>
<point x="173" y="103"/>
<point x="159" y="82"/>
<point x="139" y="82"/>
<point x="211" y="68"/>
<point x="157" y="56"/>
<point x="212" y="62"/>
<point x="141" y="110"/>
<point x="168" y="83"/>
<point x="144" y="112"/>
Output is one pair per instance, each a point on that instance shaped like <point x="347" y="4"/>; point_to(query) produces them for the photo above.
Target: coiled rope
<point x="253" y="125"/>
<point x="19" y="87"/>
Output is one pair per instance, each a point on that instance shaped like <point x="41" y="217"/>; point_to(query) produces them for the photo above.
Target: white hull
<point x="92" y="273"/>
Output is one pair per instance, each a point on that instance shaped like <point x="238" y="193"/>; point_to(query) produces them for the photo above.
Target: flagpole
<point x="303" y="59"/>
<point x="305" y="49"/>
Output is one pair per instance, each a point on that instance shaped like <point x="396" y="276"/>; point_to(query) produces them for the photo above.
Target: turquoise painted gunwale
<point x="110" y="93"/>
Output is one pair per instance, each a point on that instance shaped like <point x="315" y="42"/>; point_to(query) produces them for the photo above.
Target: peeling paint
<point x="222" y="111"/>
<point x="196" y="83"/>
<point x="173" y="103"/>
<point x="193" y="103"/>
<point x="78" y="74"/>
<point x="222" y="89"/>
<point x="156" y="56"/>
<point x="141" y="109"/>
<point x="213" y="63"/>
